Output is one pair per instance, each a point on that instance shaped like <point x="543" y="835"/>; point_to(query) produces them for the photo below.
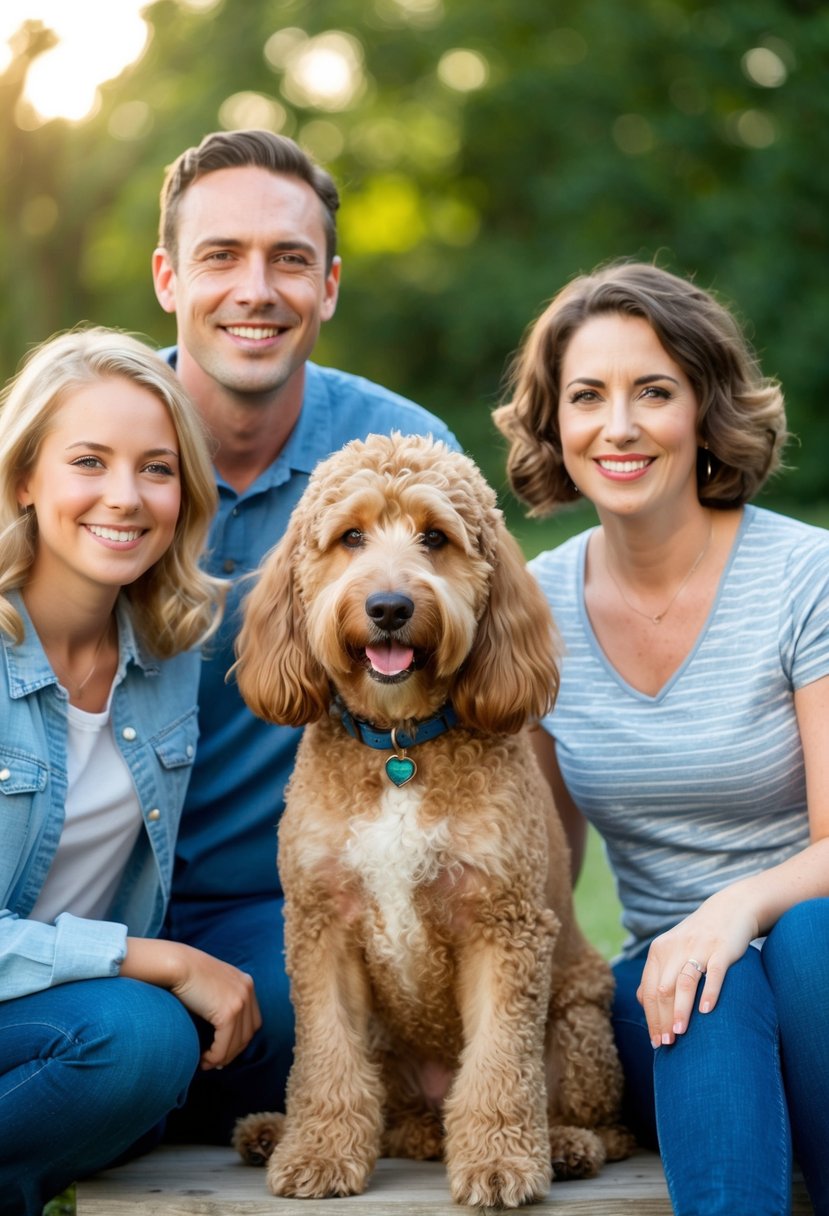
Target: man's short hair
<point x="234" y="150"/>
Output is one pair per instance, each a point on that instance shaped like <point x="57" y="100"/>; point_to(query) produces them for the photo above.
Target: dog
<point x="446" y="1002"/>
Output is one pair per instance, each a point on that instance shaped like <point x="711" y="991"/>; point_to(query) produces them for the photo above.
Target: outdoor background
<point x="487" y="152"/>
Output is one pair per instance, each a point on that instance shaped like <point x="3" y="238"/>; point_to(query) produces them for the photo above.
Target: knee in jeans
<point x="149" y="1041"/>
<point x="796" y="952"/>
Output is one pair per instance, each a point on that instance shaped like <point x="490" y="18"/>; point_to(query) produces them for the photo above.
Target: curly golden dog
<point x="446" y="1001"/>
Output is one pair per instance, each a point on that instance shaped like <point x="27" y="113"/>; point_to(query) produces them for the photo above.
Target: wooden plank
<point x="201" y="1181"/>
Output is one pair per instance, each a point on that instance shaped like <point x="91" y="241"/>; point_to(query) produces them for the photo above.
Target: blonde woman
<point x="691" y="721"/>
<point x="106" y="495"/>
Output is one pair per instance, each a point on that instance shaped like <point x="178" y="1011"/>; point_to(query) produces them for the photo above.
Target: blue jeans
<point x="747" y="1084"/>
<point x="85" y="1069"/>
<point x="249" y="934"/>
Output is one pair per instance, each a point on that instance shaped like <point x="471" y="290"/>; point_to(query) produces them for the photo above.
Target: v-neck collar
<point x="749" y="513"/>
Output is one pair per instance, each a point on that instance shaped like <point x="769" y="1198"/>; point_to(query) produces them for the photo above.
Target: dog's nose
<point x="389" y="609"/>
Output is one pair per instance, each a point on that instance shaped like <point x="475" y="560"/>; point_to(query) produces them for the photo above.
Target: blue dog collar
<point x="393" y="740"/>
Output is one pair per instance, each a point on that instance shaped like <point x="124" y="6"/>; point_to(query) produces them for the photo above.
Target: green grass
<point x="597" y="908"/>
<point x="63" y="1205"/>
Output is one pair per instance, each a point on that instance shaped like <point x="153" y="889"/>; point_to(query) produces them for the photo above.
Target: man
<point x="247" y="262"/>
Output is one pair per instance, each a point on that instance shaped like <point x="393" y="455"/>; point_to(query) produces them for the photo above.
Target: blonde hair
<point x="175" y="605"/>
<point x="741" y="420"/>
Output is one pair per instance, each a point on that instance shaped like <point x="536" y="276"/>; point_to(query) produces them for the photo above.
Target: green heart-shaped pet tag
<point x="400" y="769"/>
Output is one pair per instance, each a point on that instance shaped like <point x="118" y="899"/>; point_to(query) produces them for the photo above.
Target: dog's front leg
<point x="497" y="1146"/>
<point x="335" y="1096"/>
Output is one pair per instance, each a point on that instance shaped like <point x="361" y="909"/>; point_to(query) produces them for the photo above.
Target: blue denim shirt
<point x="154" y="720"/>
<point x="227" y="842"/>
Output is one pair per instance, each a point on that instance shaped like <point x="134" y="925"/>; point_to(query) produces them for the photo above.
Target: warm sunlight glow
<point x="325" y="72"/>
<point x="97" y="39"/>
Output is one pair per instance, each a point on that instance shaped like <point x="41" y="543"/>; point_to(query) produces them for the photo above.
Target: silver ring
<point x="697" y="967"/>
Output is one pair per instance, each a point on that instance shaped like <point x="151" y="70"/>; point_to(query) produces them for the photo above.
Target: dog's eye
<point x="352" y="539"/>
<point x="433" y="538"/>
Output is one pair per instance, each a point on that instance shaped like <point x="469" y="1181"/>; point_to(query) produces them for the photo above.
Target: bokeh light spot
<point x="754" y="128"/>
<point x="323" y="139"/>
<point x="96" y="40"/>
<point x="633" y="134"/>
<point x="252" y="110"/>
<point x="420" y="14"/>
<point x="325" y="72"/>
<point x="764" y="66"/>
<point x="463" y="70"/>
<point x="283" y="44"/>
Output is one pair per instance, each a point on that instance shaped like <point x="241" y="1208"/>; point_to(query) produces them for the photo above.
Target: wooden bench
<point x="200" y="1181"/>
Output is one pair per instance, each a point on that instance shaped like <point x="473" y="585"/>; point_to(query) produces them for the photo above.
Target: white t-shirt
<point x="103" y="821"/>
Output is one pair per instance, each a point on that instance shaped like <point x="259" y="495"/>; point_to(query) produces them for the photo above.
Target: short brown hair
<point x="741" y="421"/>
<point x="235" y="150"/>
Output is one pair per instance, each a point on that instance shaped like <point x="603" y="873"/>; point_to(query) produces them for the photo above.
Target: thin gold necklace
<point x="76" y="690"/>
<point x="658" y="617"/>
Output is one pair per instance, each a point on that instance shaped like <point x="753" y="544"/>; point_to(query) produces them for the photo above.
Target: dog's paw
<point x="303" y="1175"/>
<point x="618" y="1142"/>
<point x="256" y="1136"/>
<point x="575" y="1152"/>
<point x="499" y="1184"/>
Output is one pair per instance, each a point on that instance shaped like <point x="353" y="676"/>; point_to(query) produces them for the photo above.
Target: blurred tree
<point x="486" y="154"/>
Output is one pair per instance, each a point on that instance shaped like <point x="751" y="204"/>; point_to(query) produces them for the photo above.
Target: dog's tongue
<point x="389" y="658"/>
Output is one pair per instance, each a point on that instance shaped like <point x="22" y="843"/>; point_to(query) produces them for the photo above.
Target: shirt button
<point x="228" y="565"/>
<point x="189" y="750"/>
<point x="129" y="733"/>
<point x="235" y="512"/>
<point x="154" y="814"/>
<point x="5" y="773"/>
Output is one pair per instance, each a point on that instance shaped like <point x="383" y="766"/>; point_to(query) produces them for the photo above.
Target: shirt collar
<point x="27" y="664"/>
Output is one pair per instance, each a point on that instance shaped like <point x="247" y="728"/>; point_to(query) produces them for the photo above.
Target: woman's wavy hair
<point x="741" y="423"/>
<point x="175" y="605"/>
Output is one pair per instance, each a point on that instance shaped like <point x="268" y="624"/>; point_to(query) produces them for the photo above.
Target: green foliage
<point x="62" y="1205"/>
<point x="592" y="130"/>
<point x="597" y="906"/>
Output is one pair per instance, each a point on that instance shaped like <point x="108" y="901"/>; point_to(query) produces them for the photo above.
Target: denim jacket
<point x="154" y="718"/>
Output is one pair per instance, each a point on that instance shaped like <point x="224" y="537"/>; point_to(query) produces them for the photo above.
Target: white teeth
<point x="252" y="331"/>
<point x="114" y="533"/>
<point x="623" y="466"/>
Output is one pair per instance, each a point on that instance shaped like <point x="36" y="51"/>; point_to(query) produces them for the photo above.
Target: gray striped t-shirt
<point x="702" y="784"/>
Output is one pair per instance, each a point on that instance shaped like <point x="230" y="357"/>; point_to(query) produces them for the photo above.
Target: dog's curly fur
<point x="446" y="1001"/>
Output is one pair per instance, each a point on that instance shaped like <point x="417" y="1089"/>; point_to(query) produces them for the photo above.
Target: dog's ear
<point x="511" y="675"/>
<point x="278" y="677"/>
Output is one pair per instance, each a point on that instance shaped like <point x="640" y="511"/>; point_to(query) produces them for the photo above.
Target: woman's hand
<point x="216" y="991"/>
<point x="700" y="948"/>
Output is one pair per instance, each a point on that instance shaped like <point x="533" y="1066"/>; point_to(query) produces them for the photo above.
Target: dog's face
<point x="394" y="574"/>
<point x="396" y="570"/>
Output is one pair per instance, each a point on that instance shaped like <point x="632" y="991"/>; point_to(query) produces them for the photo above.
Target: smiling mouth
<point x="624" y="466"/>
<point x="116" y="534"/>
<point x="254" y="332"/>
